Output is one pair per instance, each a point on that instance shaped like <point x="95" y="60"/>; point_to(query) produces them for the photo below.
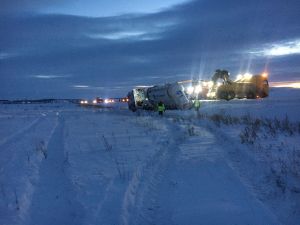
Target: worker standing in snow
<point x="197" y="104"/>
<point x="161" y="108"/>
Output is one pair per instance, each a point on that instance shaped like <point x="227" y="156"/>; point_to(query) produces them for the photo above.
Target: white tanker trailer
<point x="172" y="95"/>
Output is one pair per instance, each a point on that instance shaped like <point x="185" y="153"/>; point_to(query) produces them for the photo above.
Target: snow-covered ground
<point x="235" y="162"/>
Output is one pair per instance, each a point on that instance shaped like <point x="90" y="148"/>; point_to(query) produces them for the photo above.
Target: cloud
<point x="119" y="35"/>
<point x="188" y="40"/>
<point x="282" y="49"/>
<point x="15" y="6"/>
<point x="43" y="76"/>
<point x="81" y="86"/>
<point x="89" y="8"/>
<point x="6" y="55"/>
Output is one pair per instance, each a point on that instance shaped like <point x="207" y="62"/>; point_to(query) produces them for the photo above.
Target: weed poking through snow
<point x="107" y="146"/>
<point x="41" y="147"/>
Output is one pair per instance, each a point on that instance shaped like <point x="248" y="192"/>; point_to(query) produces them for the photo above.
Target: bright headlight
<point x="83" y="102"/>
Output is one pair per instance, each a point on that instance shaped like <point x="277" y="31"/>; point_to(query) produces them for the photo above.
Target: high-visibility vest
<point x="161" y="108"/>
<point x="197" y="103"/>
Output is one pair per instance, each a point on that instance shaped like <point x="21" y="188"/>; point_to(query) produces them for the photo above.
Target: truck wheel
<point x="132" y="108"/>
<point x="263" y="94"/>
<point x="230" y="95"/>
<point x="250" y="95"/>
<point x="221" y="95"/>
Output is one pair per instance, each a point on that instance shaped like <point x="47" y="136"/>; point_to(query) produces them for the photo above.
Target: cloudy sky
<point x="88" y="48"/>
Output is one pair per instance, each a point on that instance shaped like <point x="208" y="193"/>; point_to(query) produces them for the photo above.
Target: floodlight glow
<point x="239" y="76"/>
<point x="190" y="90"/>
<point x="198" y="89"/>
<point x="248" y="76"/>
<point x="106" y="100"/>
<point x="210" y="84"/>
<point x="94" y="101"/>
<point x="211" y="94"/>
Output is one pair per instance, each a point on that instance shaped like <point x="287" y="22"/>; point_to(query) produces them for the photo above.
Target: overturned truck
<point x="172" y="95"/>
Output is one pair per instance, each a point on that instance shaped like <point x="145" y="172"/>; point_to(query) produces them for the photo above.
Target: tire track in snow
<point x="29" y="189"/>
<point x="140" y="193"/>
<point x="140" y="198"/>
<point x="20" y="133"/>
<point x="206" y="186"/>
<point x="14" y="140"/>
<point x="26" y="171"/>
<point x="54" y="200"/>
<point x="240" y="160"/>
<point x="228" y="187"/>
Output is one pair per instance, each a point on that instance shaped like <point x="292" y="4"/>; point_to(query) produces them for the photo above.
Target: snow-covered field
<point x="235" y="162"/>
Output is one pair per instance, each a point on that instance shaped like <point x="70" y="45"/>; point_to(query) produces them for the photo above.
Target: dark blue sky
<point x="97" y="48"/>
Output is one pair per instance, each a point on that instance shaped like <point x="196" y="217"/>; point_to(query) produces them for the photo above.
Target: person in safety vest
<point x="161" y="108"/>
<point x="197" y="104"/>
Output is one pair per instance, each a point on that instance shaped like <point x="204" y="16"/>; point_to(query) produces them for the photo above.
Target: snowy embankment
<point x="264" y="136"/>
<point x="62" y="164"/>
<point x="282" y="102"/>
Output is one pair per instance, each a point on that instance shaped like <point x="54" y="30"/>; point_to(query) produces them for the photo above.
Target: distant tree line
<point x="39" y="101"/>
